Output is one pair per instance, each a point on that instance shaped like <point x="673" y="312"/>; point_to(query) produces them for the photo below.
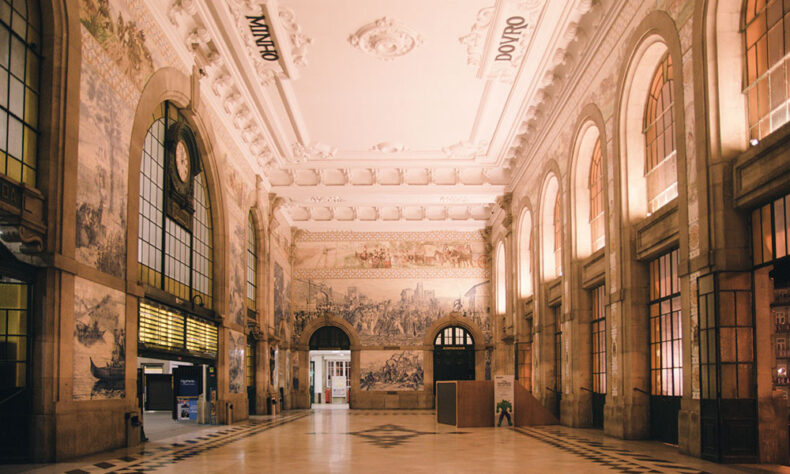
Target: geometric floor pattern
<point x="153" y="459"/>
<point x="618" y="459"/>
<point x="387" y="441"/>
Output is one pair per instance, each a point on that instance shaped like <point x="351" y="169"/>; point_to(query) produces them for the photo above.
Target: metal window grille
<point x="666" y="352"/>
<point x="19" y="89"/>
<point x="454" y="336"/>
<point x="659" y="130"/>
<point x="597" y="221"/>
<point x="766" y="45"/>
<point x="558" y="235"/>
<point x="557" y="350"/>
<point x="14" y="335"/>
<point x="771" y="231"/>
<point x="599" y="339"/>
<point x="252" y="264"/>
<point x="169" y="256"/>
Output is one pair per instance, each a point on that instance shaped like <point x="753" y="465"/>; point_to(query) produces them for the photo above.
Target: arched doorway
<point x="453" y="355"/>
<point x="330" y="368"/>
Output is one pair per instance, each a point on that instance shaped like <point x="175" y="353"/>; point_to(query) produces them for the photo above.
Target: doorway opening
<point x="172" y="395"/>
<point x="453" y="355"/>
<point x="176" y="370"/>
<point x="15" y="383"/>
<point x="330" y="368"/>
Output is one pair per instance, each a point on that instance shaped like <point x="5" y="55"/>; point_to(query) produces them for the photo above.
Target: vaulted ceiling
<point x="376" y="114"/>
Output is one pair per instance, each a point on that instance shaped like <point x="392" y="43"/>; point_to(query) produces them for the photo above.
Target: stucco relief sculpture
<point x="386" y="39"/>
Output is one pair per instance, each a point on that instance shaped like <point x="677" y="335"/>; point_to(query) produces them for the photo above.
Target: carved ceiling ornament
<point x="273" y="40"/>
<point x="316" y="151"/>
<point x="466" y="150"/>
<point x="386" y="39"/>
<point x="498" y="53"/>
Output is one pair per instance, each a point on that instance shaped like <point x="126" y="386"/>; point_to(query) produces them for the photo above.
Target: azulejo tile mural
<point x="391" y="370"/>
<point x="99" y="355"/>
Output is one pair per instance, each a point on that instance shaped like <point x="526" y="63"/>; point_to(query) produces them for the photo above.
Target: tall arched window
<point x="557" y="236"/>
<point x="175" y="236"/>
<point x="765" y="77"/>
<point x="500" y="279"/>
<point x="659" y="129"/>
<point x="597" y="221"/>
<point x="19" y="88"/>
<point x="252" y="265"/>
<point x="525" y="254"/>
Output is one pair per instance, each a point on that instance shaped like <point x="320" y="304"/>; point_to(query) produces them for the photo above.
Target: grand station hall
<point x="361" y="236"/>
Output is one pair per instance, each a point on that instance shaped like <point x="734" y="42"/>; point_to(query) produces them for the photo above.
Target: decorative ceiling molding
<point x="466" y="150"/>
<point x="499" y="38"/>
<point x="317" y="151"/>
<point x="389" y="147"/>
<point x="555" y="80"/>
<point x="386" y="39"/>
<point x="273" y="41"/>
<point x="475" y="40"/>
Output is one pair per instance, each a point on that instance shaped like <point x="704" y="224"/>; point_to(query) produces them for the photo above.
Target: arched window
<point x="765" y="81"/>
<point x="175" y="236"/>
<point x="659" y="129"/>
<point x="557" y="236"/>
<point x="19" y="71"/>
<point x="454" y="336"/>
<point x="525" y="254"/>
<point x="500" y="279"/>
<point x="252" y="265"/>
<point x="597" y="221"/>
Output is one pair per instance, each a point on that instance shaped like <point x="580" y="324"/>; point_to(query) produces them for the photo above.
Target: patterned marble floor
<point x="387" y="441"/>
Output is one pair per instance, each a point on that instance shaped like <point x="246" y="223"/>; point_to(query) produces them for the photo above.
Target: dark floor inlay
<point x="104" y="465"/>
<point x="390" y="436"/>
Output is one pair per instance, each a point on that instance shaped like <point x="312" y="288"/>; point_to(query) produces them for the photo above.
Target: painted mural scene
<point x="391" y="370"/>
<point x="235" y="361"/>
<point x="99" y="342"/>
<point x="391" y="311"/>
<point x="394" y="254"/>
<point x="282" y="297"/>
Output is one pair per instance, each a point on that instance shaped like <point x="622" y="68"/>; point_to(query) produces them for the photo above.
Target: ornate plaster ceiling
<point x="374" y="114"/>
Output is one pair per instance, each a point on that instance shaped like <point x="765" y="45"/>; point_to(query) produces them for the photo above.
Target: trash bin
<point x="133" y="425"/>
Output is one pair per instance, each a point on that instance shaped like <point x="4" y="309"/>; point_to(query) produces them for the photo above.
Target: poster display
<point x="503" y="400"/>
<point x="338" y="386"/>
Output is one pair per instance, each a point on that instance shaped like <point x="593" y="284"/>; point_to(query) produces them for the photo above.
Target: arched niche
<point x="170" y="84"/>
<point x="725" y="57"/>
<point x="639" y="76"/>
<point x="454" y="319"/>
<point x="329" y="320"/>
<point x="525" y="282"/>
<point x="588" y="135"/>
<point x="550" y="194"/>
<point x="500" y="279"/>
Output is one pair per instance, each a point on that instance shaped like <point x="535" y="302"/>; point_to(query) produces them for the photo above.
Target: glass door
<point x="15" y="390"/>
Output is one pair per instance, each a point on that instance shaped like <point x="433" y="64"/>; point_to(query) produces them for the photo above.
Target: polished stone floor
<point x="364" y="441"/>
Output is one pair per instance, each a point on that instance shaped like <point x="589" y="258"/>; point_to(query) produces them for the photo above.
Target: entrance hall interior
<point x="227" y="224"/>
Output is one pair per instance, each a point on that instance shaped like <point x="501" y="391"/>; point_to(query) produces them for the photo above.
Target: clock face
<point x="182" y="161"/>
